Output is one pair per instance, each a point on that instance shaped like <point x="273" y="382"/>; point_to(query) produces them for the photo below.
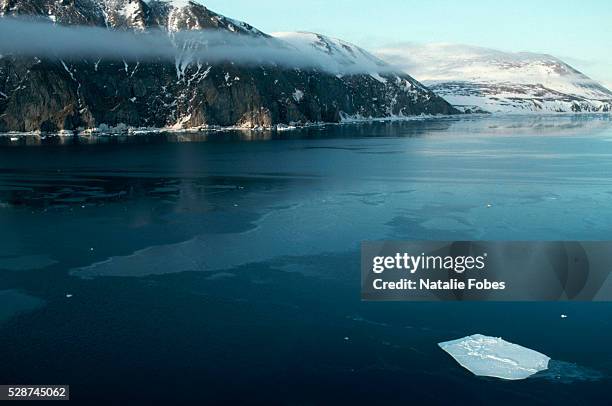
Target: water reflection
<point x="561" y="124"/>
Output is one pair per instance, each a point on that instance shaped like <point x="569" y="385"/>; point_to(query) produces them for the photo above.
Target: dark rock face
<point x="50" y="94"/>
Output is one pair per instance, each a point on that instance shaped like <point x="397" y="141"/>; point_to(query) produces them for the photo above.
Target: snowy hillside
<point x="339" y="55"/>
<point x="343" y="58"/>
<point x="474" y="79"/>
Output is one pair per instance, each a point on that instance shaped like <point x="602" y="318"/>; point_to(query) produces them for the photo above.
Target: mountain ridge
<point x="482" y="79"/>
<point x="52" y="94"/>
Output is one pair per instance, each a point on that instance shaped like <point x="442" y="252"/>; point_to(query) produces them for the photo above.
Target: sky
<point x="578" y="32"/>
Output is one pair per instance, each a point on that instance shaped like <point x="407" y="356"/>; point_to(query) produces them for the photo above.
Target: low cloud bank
<point x="43" y="39"/>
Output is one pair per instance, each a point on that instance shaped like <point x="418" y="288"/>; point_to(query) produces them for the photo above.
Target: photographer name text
<point x="414" y="265"/>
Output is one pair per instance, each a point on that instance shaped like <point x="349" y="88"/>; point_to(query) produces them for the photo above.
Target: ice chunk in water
<point x="492" y="356"/>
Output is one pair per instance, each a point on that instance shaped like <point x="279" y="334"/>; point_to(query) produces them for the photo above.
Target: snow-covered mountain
<point x="480" y="79"/>
<point x="316" y="79"/>
<point x="172" y="15"/>
<point x="339" y="55"/>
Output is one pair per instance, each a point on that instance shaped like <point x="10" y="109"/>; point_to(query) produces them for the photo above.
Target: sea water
<point x="227" y="268"/>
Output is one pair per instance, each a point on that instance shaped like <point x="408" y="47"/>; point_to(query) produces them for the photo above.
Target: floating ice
<point x="491" y="356"/>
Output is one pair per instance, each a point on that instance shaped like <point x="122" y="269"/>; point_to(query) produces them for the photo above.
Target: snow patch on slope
<point x="298" y="95"/>
<point x="177" y="3"/>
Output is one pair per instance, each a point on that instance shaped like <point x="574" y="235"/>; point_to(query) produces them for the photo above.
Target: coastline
<point x="127" y="131"/>
<point x="124" y="131"/>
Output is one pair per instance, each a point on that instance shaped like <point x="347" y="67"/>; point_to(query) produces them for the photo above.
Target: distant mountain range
<point x="53" y="93"/>
<point x="477" y="79"/>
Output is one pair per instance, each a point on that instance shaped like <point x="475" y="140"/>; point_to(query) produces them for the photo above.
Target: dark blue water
<point x="150" y="270"/>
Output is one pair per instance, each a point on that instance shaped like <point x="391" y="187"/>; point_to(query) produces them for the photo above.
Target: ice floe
<point x="495" y="357"/>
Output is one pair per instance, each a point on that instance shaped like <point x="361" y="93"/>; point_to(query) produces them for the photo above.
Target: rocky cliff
<point x="50" y="94"/>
